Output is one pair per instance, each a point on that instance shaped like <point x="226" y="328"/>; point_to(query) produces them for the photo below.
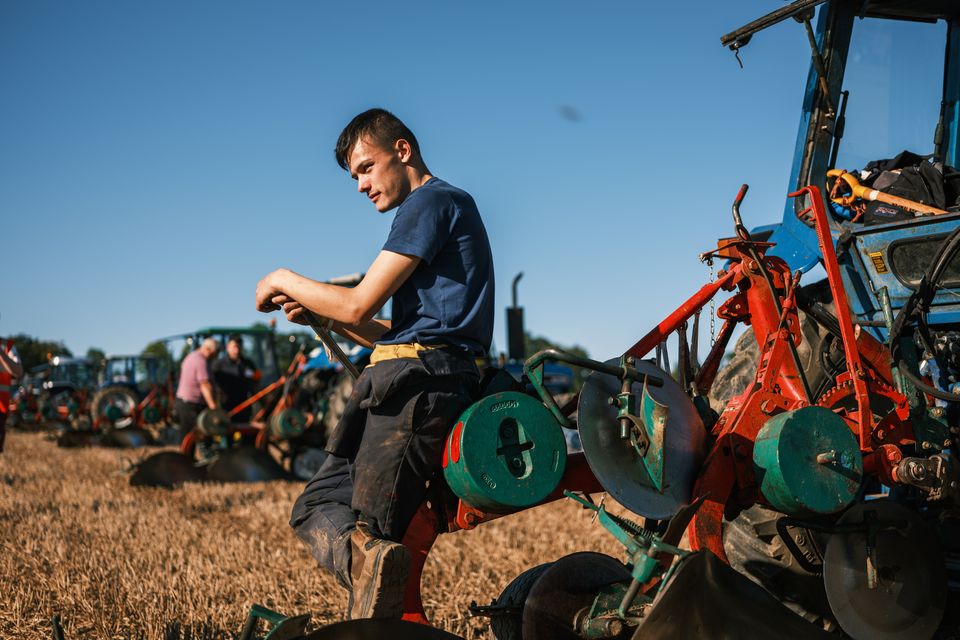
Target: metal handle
<point x="860" y="192"/>
<point x="331" y="344"/>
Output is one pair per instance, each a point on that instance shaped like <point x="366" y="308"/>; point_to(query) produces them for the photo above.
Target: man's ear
<point x="404" y="150"/>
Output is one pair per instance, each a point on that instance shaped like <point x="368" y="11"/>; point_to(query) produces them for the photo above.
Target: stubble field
<point x="121" y="562"/>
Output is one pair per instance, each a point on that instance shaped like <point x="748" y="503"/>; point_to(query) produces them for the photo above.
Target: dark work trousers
<point x="187" y="413"/>
<point x="3" y="428"/>
<point x="384" y="451"/>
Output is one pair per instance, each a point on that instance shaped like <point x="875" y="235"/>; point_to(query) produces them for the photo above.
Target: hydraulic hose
<point x="918" y="304"/>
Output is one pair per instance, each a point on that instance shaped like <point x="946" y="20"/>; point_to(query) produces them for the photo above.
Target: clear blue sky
<point x="158" y="158"/>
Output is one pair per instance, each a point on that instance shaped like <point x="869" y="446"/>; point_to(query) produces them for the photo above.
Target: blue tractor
<point x="885" y="247"/>
<point x="879" y="136"/>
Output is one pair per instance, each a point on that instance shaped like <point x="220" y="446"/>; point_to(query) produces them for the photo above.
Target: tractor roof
<point x="252" y="330"/>
<point x="917" y="10"/>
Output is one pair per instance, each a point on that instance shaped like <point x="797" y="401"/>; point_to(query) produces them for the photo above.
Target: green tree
<point x="98" y="357"/>
<point x="158" y="348"/>
<point x="288" y="344"/>
<point x="34" y="351"/>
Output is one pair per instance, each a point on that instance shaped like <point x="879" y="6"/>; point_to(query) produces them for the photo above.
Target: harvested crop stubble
<point x="121" y="562"/>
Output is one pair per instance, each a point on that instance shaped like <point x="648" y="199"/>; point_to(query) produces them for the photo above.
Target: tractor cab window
<point x="117" y="372"/>
<point x="894" y="76"/>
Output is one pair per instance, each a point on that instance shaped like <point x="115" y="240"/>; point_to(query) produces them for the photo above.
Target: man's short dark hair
<point x="236" y="337"/>
<point x="380" y="126"/>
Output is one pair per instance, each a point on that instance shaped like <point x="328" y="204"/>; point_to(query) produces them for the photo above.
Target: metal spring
<point x="633" y="528"/>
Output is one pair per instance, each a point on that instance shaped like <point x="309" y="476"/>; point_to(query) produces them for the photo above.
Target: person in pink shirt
<point x="195" y="390"/>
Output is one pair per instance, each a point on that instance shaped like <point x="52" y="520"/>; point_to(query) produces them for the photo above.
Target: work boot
<point x="378" y="570"/>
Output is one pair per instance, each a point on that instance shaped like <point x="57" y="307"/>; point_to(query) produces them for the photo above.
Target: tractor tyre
<point x="821" y="356"/>
<point x="509" y="625"/>
<point x="756" y="550"/>
<point x="115" y="395"/>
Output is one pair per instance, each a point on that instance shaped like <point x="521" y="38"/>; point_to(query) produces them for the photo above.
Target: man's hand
<point x="206" y="390"/>
<point x="269" y="288"/>
<point x="294" y="311"/>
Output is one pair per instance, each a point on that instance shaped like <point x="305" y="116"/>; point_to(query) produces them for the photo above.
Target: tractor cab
<point x="139" y="373"/>
<point x="59" y="387"/>
<point x="65" y="375"/>
<point x="884" y="78"/>
<point x="258" y="345"/>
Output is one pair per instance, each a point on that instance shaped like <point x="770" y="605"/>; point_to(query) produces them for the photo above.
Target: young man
<point x="437" y="266"/>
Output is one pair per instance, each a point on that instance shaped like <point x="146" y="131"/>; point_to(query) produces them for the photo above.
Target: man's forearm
<point x="206" y="390"/>
<point x="327" y="300"/>
<point x="364" y="335"/>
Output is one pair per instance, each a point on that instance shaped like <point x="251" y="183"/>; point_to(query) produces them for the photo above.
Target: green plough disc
<point x="288" y="424"/>
<point x="213" y="422"/>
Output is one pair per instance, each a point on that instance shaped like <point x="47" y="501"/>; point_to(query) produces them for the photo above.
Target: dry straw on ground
<point x="120" y="562"/>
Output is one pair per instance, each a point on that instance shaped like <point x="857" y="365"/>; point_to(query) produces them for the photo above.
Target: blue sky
<point x="158" y="158"/>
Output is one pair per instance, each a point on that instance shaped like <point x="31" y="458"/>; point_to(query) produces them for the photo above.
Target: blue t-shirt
<point x="448" y="299"/>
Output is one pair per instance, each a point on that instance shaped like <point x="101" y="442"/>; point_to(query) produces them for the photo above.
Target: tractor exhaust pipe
<point x="515" y="343"/>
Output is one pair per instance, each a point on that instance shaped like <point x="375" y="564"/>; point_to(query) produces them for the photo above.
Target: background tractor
<point x="56" y="394"/>
<point x="287" y="431"/>
<point x="134" y="398"/>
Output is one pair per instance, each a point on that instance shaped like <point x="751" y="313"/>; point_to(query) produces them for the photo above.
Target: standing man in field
<point x="194" y="390"/>
<point x="437" y="266"/>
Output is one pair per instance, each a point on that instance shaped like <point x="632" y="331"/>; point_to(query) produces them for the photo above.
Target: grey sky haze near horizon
<point x="157" y="159"/>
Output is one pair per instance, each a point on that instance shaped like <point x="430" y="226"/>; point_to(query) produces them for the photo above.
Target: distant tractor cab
<point x="59" y="390"/>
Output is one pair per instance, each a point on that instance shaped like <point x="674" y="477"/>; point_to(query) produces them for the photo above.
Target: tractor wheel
<point x="821" y="356"/>
<point x="115" y="399"/>
<point x="509" y="625"/>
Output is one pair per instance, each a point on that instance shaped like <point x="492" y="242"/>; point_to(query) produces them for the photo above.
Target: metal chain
<point x="713" y="302"/>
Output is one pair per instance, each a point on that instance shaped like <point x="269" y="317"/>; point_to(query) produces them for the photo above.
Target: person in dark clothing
<point x="236" y="376"/>
<point x="437" y="266"/>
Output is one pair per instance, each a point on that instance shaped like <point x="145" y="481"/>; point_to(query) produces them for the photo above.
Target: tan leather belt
<point x="383" y="352"/>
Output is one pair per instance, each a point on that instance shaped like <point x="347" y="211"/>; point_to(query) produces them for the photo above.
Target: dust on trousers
<point x="384" y="451"/>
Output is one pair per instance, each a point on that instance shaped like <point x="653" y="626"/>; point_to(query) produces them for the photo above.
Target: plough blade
<point x="707" y="599"/>
<point x="166" y="469"/>
<point x="380" y="630"/>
